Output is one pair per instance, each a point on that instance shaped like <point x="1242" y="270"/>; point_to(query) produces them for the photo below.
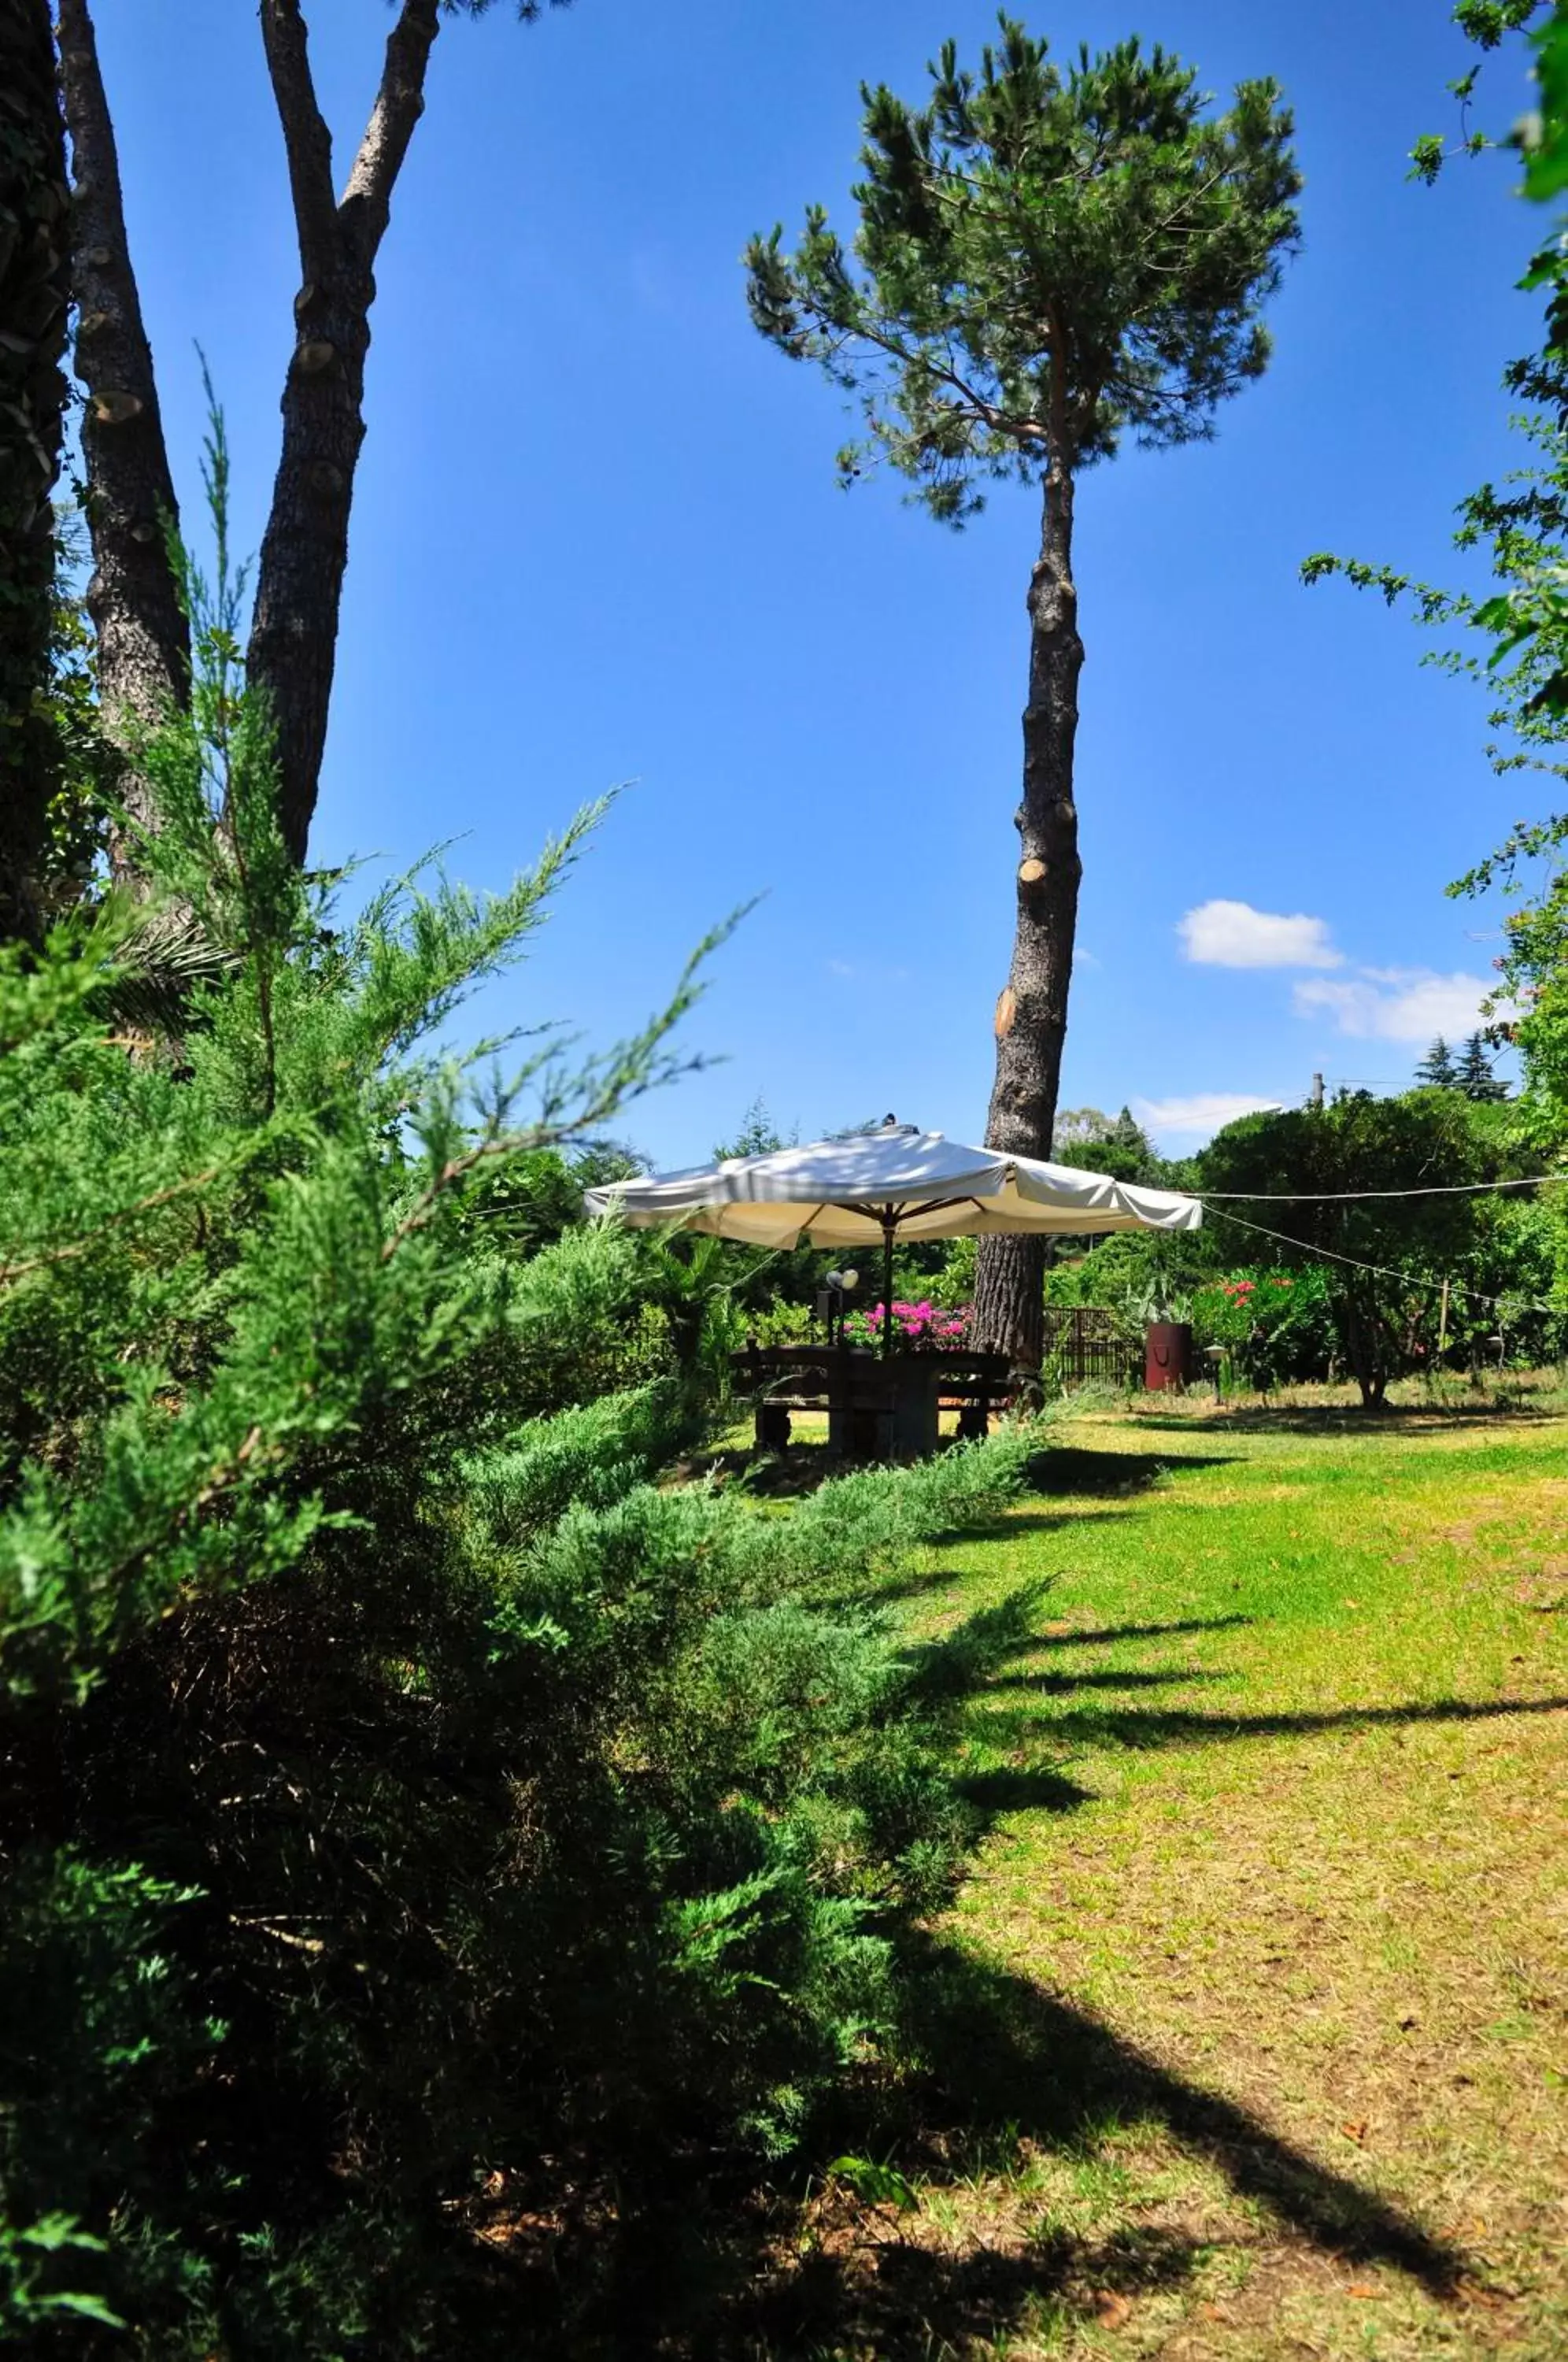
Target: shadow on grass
<point x="998" y="2052"/>
<point x="988" y="2072"/>
<point x="1054" y="1521"/>
<point x="965" y="1665"/>
<point x="1152" y="1726"/>
<point x="1102" y="1635"/>
<point x="920" y="1585"/>
<point x="772" y="1475"/>
<point x="1074" y="1468"/>
<point x="1001" y="2067"/>
<point x="1024" y="1788"/>
<point x="956" y="1664"/>
<point x="931" y="2302"/>
<point x="1341" y="1419"/>
<point x="1153" y="1677"/>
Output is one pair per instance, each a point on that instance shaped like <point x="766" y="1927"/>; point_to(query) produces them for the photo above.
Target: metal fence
<point x="1084" y="1340"/>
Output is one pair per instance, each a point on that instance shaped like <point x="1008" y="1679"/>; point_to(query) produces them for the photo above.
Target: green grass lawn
<point x="1249" y="2034"/>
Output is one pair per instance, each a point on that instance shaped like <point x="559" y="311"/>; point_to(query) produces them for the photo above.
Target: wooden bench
<point x="875" y="1409"/>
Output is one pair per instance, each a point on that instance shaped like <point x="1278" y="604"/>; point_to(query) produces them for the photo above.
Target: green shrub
<point x="1279" y="1326"/>
<point x="782" y="1322"/>
<point x="402" y="1788"/>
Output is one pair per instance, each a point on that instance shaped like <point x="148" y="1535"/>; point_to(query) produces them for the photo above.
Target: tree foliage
<point x="1097" y="1142"/>
<point x="1438" y="1069"/>
<point x="1385" y="1254"/>
<point x="1045" y="262"/>
<point x="1514" y="640"/>
<point x="1475" y="1075"/>
<point x="1541" y="137"/>
<point x="1403" y="1184"/>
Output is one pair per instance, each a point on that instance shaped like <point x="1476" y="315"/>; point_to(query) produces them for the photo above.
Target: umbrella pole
<point x="890" y="1224"/>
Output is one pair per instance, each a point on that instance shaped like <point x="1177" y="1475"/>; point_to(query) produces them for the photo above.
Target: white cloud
<point x="1232" y="934"/>
<point x="1200" y="1115"/>
<point x="1397" y="1004"/>
<point x="866" y="972"/>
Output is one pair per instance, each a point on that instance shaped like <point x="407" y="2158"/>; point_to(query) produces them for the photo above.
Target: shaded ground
<point x="1249" y="2036"/>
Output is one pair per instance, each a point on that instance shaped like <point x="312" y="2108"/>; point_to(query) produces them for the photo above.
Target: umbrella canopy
<point x="897" y="1180"/>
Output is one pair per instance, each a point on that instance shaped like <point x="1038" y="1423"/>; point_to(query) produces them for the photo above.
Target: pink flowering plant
<point x="917" y="1328"/>
<point x="1231" y="1310"/>
<point x="1279" y="1319"/>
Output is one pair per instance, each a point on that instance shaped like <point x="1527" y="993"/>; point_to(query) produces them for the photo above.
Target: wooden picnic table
<point x="876" y="1409"/>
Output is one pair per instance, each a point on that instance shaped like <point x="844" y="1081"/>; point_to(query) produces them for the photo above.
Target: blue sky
<point x="597" y="539"/>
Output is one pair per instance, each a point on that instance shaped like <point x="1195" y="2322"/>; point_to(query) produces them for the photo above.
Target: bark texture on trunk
<point x="144" y="642"/>
<point x="1031" y="1015"/>
<point x="293" y="639"/>
<point x="35" y="270"/>
<point x="1362" y="1333"/>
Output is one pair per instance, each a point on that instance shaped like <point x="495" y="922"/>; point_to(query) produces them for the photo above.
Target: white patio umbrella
<point x="896" y="1182"/>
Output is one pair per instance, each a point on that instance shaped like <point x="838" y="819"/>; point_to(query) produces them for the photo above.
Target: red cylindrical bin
<point x="1168" y="1355"/>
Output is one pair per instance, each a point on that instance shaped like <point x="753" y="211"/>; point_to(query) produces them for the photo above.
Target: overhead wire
<point x="1343" y="1196"/>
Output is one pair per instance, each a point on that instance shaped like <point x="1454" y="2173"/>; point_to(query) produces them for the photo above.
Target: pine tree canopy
<point x="1474" y="1074"/>
<point x="527" y="11"/>
<point x="1047" y="259"/>
<point x="1437" y="1067"/>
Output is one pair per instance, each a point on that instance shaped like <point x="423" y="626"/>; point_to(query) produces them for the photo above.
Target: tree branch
<point x="306" y="138"/>
<point x="400" y="103"/>
<point x="988" y="414"/>
<point x="304" y="550"/>
<point x="73" y="1247"/>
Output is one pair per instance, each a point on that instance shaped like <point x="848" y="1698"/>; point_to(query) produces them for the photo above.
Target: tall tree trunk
<point x="144" y="641"/>
<point x="34" y="286"/>
<point x="144" y="657"/>
<point x="293" y="639"/>
<point x="1031" y="1015"/>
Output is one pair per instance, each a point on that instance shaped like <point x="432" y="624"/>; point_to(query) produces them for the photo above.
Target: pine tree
<point x="759" y="1135"/>
<point x="1437" y="1068"/>
<point x="1474" y="1074"/>
<point x="1049" y="262"/>
<point x="1129" y="1133"/>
